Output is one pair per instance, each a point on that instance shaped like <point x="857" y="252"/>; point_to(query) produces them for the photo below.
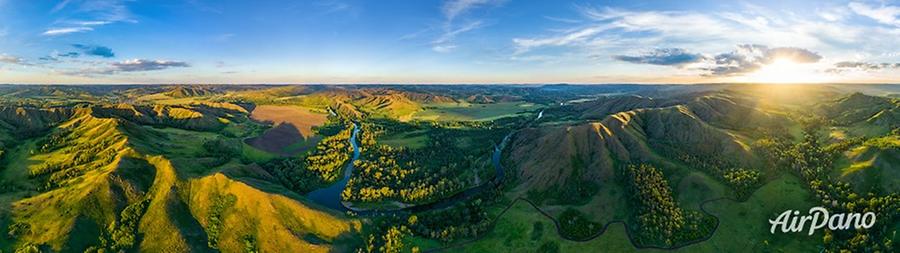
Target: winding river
<point x="331" y="196"/>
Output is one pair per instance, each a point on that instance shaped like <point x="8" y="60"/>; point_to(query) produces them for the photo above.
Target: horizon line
<point x="437" y="84"/>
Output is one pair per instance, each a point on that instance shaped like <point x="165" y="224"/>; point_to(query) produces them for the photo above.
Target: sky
<point x="447" y="41"/>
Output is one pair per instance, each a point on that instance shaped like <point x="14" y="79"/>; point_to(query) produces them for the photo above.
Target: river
<point x="331" y="196"/>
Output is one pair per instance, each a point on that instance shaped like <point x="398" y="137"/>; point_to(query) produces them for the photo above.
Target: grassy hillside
<point x="205" y="168"/>
<point x="102" y="178"/>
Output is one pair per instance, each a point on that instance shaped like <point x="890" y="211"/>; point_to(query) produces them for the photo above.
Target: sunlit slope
<point x="866" y="134"/>
<point x="354" y="102"/>
<point x="872" y="165"/>
<point x="74" y="176"/>
<point x="868" y="115"/>
<point x="17" y="122"/>
<point x="189" y="91"/>
<point x="550" y="157"/>
<point x="201" y="117"/>
<point x="96" y="183"/>
<point x="238" y="213"/>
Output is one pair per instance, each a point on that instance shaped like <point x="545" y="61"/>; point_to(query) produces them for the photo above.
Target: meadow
<point x="473" y="112"/>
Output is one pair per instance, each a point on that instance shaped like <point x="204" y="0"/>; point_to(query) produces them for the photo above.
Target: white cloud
<point x="826" y="32"/>
<point x="570" y="38"/>
<point x="454" y="8"/>
<point x="95" y="13"/>
<point x="612" y="30"/>
<point x="450" y="34"/>
<point x="443" y="48"/>
<point x="884" y="14"/>
<point x="10" y="59"/>
<point x="66" y="30"/>
<point x="61" y="5"/>
<point x="134" y="65"/>
<point x="90" y="23"/>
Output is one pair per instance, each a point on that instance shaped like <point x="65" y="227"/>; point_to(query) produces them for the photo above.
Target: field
<point x="477" y="112"/>
<point x="292" y="131"/>
<point x="412" y="140"/>
<point x="743" y="227"/>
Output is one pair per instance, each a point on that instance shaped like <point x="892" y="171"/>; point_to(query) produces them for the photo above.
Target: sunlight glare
<point x="785" y="71"/>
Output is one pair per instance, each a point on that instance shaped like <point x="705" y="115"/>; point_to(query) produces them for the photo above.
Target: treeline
<point x="381" y="177"/>
<point x="658" y="219"/>
<point x="461" y="220"/>
<point x="454" y="153"/>
<point x="221" y="151"/>
<point x="122" y="234"/>
<point x="575" y="225"/>
<point x="319" y="167"/>
<point x="84" y="153"/>
<point x="812" y="161"/>
<point x="742" y="180"/>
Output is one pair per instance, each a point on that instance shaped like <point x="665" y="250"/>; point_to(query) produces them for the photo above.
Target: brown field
<point x="292" y="131"/>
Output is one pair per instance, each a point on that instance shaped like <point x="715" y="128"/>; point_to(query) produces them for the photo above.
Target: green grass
<point x="183" y="142"/>
<point x="412" y="140"/>
<point x="16" y="163"/>
<point x="473" y="112"/>
<point x="256" y="155"/>
<point x="696" y="187"/>
<point x="744" y="227"/>
<point x="607" y="204"/>
<point x="515" y="232"/>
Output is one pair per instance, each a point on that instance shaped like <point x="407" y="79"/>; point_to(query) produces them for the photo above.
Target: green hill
<point x="96" y="182"/>
<point x="859" y="109"/>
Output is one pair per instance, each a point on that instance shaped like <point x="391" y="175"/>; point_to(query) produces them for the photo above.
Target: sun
<point x="785" y="71"/>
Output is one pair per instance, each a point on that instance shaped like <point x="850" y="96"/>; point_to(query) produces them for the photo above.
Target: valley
<point x="449" y="168"/>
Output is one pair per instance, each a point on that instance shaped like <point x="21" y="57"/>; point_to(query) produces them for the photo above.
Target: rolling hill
<point x="94" y="182"/>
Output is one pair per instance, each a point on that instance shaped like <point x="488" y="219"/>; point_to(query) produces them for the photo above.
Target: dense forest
<point x="658" y="219"/>
<point x="444" y="166"/>
<point x="320" y="166"/>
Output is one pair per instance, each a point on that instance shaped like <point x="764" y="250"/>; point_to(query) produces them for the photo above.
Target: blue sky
<point x="448" y="41"/>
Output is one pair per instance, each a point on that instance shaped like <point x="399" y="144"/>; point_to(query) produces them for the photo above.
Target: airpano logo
<point x="791" y="221"/>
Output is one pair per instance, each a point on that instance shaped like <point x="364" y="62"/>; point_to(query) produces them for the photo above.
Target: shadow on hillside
<point x="284" y="139"/>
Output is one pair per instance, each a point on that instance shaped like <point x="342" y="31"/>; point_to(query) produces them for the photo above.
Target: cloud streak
<point x="10" y="59"/>
<point x="127" y="66"/>
<point x="663" y="56"/>
<point x="66" y="30"/>
<point x="137" y="65"/>
<point x="95" y="50"/>
<point x="749" y="58"/>
<point x="101" y="13"/>
<point x="452" y="9"/>
<point x="884" y="14"/>
<point x="744" y="59"/>
<point x="846" y="66"/>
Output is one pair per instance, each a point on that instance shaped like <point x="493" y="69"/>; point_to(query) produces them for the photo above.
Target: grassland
<point x="743" y="227"/>
<point x="303" y="119"/>
<point x="292" y="132"/>
<point x="477" y="112"/>
<point x="413" y="140"/>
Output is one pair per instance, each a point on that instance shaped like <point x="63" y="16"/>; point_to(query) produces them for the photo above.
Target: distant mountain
<point x="189" y="91"/>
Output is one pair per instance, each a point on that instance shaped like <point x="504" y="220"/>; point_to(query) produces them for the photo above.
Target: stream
<point x="331" y="196"/>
